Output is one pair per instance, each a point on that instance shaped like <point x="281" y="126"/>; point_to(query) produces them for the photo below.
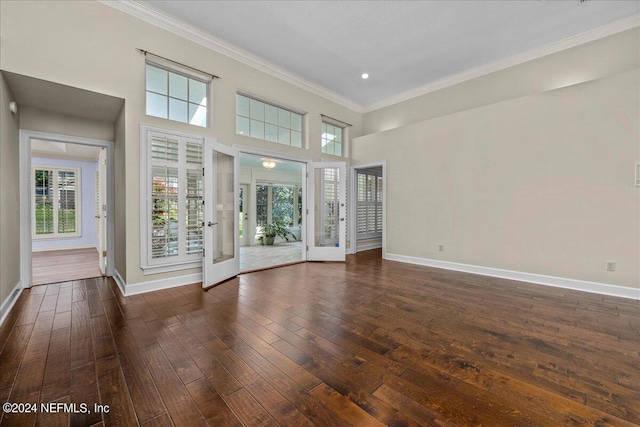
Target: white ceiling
<point x="64" y="150"/>
<point x="402" y="45"/>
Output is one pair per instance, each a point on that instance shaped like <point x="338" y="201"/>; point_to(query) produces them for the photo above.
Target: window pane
<point x="157" y="80"/>
<point x="284" y="136"/>
<point x="271" y="133"/>
<point x="282" y="204"/>
<point x="257" y="110"/>
<point x="198" y="115"/>
<point x="156" y="105"/>
<point x="296" y="139"/>
<point x="242" y="126"/>
<point x="257" y="129"/>
<point x="194" y="211"/>
<point x="338" y="133"/>
<point x="197" y="92"/>
<point x="178" y="110"/>
<point x="271" y="114"/>
<point x="338" y="149"/>
<point x="178" y="86"/>
<point x="261" y="205"/>
<point x="284" y="118"/>
<point x="44" y="202"/>
<point x="296" y="122"/>
<point x="242" y="105"/>
<point x="66" y="202"/>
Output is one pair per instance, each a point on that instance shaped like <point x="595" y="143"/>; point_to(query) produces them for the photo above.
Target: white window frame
<point x="345" y="132"/>
<point x="151" y="265"/>
<point x="78" y="203"/>
<point x="302" y="115"/>
<point x="188" y="75"/>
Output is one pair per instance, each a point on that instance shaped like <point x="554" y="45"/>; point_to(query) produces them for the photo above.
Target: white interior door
<point x="101" y="209"/>
<point x="326" y="199"/>
<point x="221" y="251"/>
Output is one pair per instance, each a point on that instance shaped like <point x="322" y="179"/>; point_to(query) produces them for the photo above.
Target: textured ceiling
<point x="401" y="44"/>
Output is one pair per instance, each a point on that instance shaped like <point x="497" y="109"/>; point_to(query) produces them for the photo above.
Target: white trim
<point x="176" y="26"/>
<point x="122" y="285"/>
<point x="183" y="29"/>
<point x="25" y="202"/>
<point x="155" y="285"/>
<point x="368" y="246"/>
<point x="65" y="248"/>
<point x="540" y="279"/>
<point x="10" y="301"/>
<point x="539" y="52"/>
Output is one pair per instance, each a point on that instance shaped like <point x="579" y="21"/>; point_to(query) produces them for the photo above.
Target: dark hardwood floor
<point x="365" y="343"/>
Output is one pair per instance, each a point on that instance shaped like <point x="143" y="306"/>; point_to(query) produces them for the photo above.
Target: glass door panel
<point x="221" y="206"/>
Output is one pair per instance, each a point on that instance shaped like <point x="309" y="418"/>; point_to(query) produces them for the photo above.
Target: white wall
<point x="39" y="120"/>
<point x="87" y="236"/>
<point x="540" y="184"/>
<point x="605" y="57"/>
<point x="92" y="46"/>
<point x="9" y="195"/>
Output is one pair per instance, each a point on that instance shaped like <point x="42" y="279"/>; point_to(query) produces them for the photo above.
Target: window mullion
<point x="56" y="201"/>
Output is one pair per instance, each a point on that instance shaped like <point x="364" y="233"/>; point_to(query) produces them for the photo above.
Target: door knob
<point x="211" y="224"/>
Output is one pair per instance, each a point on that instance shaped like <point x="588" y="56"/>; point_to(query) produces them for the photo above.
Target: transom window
<point x="175" y="96"/>
<point x="174" y="189"/>
<point x="332" y="139"/>
<point x="56" y="205"/>
<point x="266" y="121"/>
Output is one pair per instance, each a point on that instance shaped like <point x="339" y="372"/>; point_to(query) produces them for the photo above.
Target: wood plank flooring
<point x="366" y="343"/>
<point x="64" y="265"/>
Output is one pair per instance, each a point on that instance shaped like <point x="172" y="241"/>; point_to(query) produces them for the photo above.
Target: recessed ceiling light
<point x="365" y="76"/>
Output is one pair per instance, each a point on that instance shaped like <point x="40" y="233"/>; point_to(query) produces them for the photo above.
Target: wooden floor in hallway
<point x="367" y="342"/>
<point x="64" y="265"/>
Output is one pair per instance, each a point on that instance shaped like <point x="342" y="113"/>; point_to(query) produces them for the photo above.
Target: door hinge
<point x="307" y="211"/>
<point x="307" y="248"/>
<point x="104" y="254"/>
<point x="202" y="171"/>
<point x="307" y="174"/>
<point x="203" y="253"/>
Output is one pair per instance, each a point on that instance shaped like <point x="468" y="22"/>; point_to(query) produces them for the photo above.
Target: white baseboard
<point x="63" y="248"/>
<point x="8" y="303"/>
<point x="122" y="285"/>
<point x="558" y="282"/>
<point x="155" y="285"/>
<point x="368" y="246"/>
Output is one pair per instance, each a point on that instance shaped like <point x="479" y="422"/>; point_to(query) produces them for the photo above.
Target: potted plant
<point x="275" y="229"/>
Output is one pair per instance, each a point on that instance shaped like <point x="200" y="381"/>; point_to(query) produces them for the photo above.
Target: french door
<point x="221" y="202"/>
<point x="101" y="209"/>
<point x="327" y="219"/>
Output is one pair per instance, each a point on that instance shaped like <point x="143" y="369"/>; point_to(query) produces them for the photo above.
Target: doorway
<point x="272" y="220"/>
<point x="368" y="199"/>
<point x="67" y="196"/>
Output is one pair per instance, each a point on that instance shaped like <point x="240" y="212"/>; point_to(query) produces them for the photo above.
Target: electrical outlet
<point x="441" y="248"/>
<point x="611" y="265"/>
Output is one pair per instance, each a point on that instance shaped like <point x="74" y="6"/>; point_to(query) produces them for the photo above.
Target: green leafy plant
<point x="274" y="229"/>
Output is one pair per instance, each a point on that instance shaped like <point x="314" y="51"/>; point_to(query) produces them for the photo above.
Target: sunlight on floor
<point x="253" y="257"/>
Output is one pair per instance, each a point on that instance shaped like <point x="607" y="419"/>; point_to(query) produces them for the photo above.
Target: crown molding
<point x="158" y="18"/>
<point x="539" y="52"/>
<point x="183" y="29"/>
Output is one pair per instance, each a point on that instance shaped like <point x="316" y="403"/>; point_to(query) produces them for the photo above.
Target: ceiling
<point x="402" y="45"/>
<point x="64" y="150"/>
<point x="61" y="99"/>
<point x="255" y="162"/>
